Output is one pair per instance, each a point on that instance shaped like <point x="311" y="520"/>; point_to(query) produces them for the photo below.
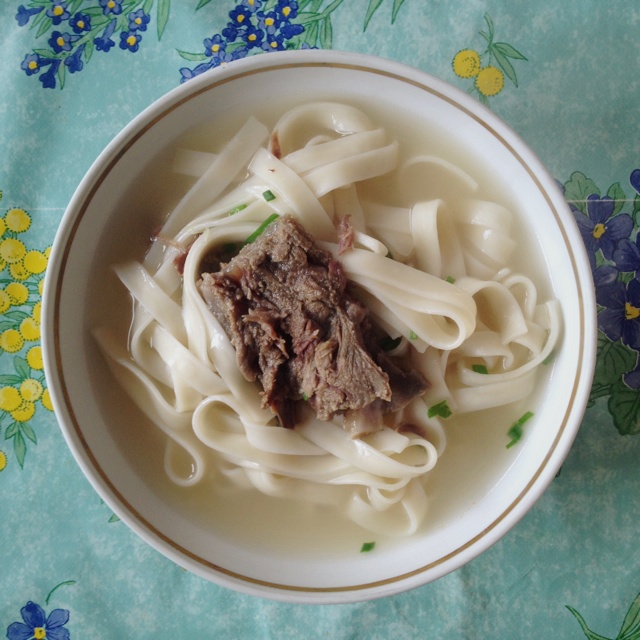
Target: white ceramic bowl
<point x="110" y="218"/>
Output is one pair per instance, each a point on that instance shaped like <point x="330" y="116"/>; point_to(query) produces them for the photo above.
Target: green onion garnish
<point x="367" y="546"/>
<point x="237" y="209"/>
<point x="268" y="195"/>
<point x="479" y="368"/>
<point x="441" y="410"/>
<point x="389" y="344"/>
<point x="515" y="432"/>
<point x="413" y="335"/>
<point x="450" y="279"/>
<point x="260" y="230"/>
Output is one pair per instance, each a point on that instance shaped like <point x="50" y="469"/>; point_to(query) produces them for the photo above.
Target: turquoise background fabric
<point x="570" y="87"/>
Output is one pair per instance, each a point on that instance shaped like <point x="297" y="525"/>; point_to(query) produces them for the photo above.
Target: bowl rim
<point x="60" y="394"/>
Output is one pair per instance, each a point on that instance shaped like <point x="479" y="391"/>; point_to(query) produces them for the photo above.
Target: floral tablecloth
<point x="563" y="75"/>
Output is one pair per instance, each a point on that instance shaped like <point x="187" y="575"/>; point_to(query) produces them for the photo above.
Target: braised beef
<point x="284" y="304"/>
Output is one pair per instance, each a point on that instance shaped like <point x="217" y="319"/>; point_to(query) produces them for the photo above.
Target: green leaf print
<point x="578" y="188"/>
<point x="164" y="9"/>
<point x="631" y="625"/>
<point x="624" y="406"/>
<point x="374" y="5"/>
<point x="630" y="629"/>
<point x="614" y="360"/>
<point x="396" y="7"/>
<point x="371" y="9"/>
<point x="616" y="193"/>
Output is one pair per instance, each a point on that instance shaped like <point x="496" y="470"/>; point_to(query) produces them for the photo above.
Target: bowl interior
<point x="479" y="488"/>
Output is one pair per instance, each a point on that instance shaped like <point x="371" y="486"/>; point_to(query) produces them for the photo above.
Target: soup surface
<point x="457" y="284"/>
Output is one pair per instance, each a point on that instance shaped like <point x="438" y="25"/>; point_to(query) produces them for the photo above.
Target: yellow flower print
<point x="466" y="63"/>
<point x="18" y="271"/>
<point x="11" y="341"/>
<point x="17" y="292"/>
<point x="490" y="81"/>
<point x="10" y="398"/>
<point x="489" y="68"/>
<point x="17" y="220"/>
<point x="24" y="412"/>
<point x="34" y="358"/>
<point x="46" y="400"/>
<point x="37" y="311"/>
<point x="35" y="262"/>
<point x="12" y="250"/>
<point x="30" y="330"/>
<point x="5" y="301"/>
<point x="21" y="308"/>
<point x="31" y="389"/>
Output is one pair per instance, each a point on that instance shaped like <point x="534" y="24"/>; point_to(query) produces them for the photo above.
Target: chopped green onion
<point x="479" y="368"/>
<point x="441" y="410"/>
<point x="450" y="279"/>
<point x="259" y="231"/>
<point x="515" y="432"/>
<point x="550" y="358"/>
<point x="413" y="335"/>
<point x="367" y="546"/>
<point x="237" y="209"/>
<point x="389" y="344"/>
<point x="268" y="195"/>
<point x="305" y="397"/>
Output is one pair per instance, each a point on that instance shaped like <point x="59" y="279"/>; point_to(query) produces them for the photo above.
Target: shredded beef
<point x="283" y="302"/>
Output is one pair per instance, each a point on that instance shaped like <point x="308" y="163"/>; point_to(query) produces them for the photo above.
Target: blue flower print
<point x="253" y="37"/>
<point x="252" y="5"/>
<point x="80" y="23"/>
<point x="627" y="255"/>
<point x="253" y="25"/>
<point x="289" y="30"/>
<point x="620" y="319"/>
<point x="130" y="40"/>
<point x="104" y="42"/>
<point x="269" y="22"/>
<point x="61" y="41"/>
<point x="36" y="625"/>
<point x="48" y="79"/>
<point x="240" y="17"/>
<point x="600" y="229"/>
<point x="632" y="378"/>
<point x="634" y="180"/>
<point x="604" y="275"/>
<point x="287" y="8"/>
<point x="214" y="46"/>
<point x="138" y="20"/>
<point x="274" y="42"/>
<point x="188" y="74"/>
<point x="58" y="12"/>
<point x="31" y="64"/>
<point x="74" y="61"/>
<point x="23" y="14"/>
<point x="111" y="7"/>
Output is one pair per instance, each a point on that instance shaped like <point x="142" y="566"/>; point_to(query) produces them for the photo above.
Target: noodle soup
<point x="433" y="258"/>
